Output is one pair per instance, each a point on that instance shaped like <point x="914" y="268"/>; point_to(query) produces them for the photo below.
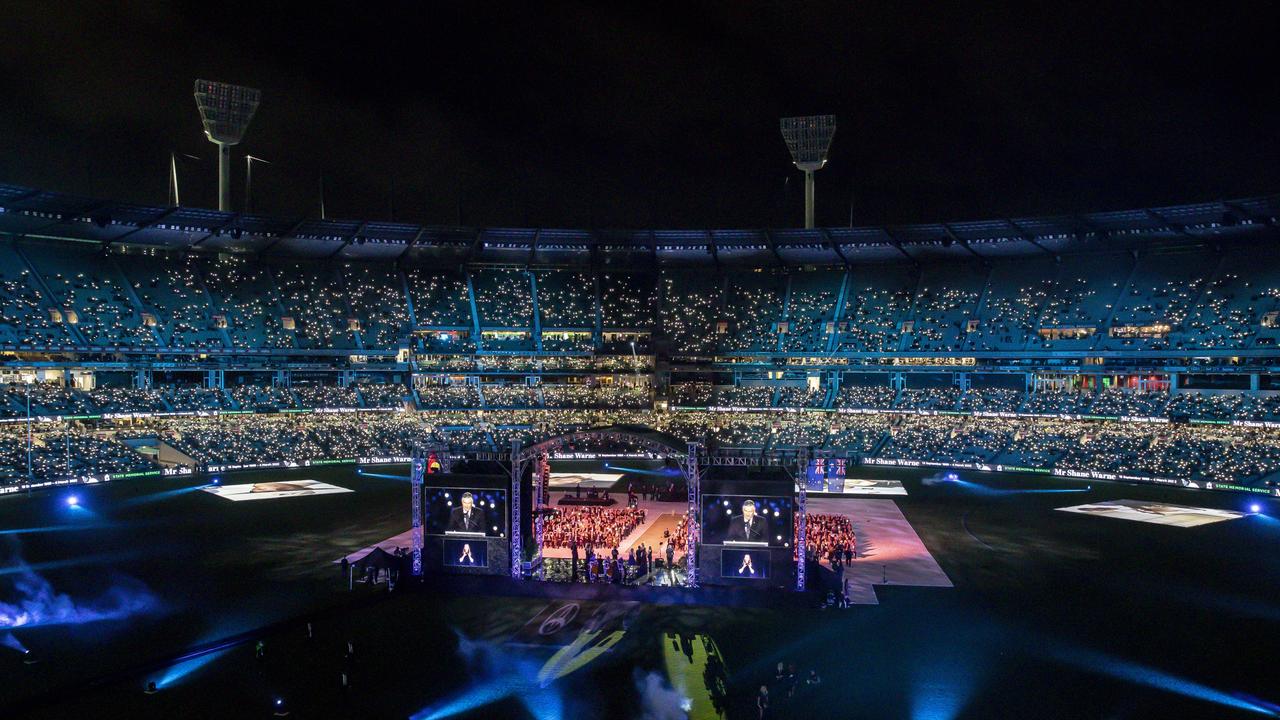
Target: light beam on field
<point x="54" y="528"/>
<point x="162" y="495"/>
<point x="100" y="559"/>
<point x="1147" y="676"/>
<point x="664" y="472"/>
<point x="981" y="489"/>
<point x="188" y="664"/>
<point x="364" y="473"/>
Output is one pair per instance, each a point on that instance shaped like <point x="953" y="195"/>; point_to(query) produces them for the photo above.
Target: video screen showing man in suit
<point x="751" y="528"/>
<point x="475" y="512"/>
<point x="466" y="553"/>
<point x="466" y="518"/>
<point x="747" y="520"/>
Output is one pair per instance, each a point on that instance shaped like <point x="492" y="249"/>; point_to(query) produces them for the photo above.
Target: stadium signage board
<point x="1075" y="474"/>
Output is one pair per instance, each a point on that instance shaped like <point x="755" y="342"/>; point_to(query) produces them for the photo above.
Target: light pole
<point x="225" y="111"/>
<point x="174" y="198"/>
<point x="808" y="139"/>
<point x="249" y="160"/>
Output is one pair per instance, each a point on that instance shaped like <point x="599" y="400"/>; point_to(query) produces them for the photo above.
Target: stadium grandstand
<point x="1137" y="344"/>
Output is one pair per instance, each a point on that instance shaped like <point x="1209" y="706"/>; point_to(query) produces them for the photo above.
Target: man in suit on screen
<point x="749" y="527"/>
<point x="466" y="518"/>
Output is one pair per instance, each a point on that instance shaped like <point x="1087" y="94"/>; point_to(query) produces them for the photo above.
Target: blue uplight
<point x="73" y="501"/>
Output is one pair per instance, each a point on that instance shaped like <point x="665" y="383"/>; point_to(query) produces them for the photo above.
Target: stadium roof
<point x="27" y="212"/>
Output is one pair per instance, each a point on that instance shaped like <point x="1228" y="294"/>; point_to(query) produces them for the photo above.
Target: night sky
<point x="586" y="115"/>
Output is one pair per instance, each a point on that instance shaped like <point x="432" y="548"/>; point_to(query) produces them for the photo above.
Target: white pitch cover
<point x="1154" y="512"/>
<point x="274" y="490"/>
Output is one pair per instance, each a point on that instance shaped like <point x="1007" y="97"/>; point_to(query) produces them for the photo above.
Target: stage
<point x="890" y="551"/>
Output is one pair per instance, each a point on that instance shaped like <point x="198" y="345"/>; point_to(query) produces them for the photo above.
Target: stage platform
<point x="889" y="550"/>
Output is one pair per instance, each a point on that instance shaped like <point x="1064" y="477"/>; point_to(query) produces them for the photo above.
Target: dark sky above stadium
<point x="593" y="115"/>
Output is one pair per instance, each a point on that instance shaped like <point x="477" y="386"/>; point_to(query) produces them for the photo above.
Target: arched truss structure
<point x="658" y="445"/>
<point x="691" y="459"/>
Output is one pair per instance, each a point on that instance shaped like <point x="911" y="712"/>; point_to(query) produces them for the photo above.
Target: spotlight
<point x="1255" y="508"/>
<point x="281" y="710"/>
<point x="73" y="501"/>
<point x="151" y="688"/>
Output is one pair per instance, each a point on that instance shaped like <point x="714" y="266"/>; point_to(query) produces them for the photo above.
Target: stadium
<point x="259" y="463"/>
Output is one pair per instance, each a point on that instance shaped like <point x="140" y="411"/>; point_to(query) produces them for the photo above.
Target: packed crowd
<point x="601" y="527"/>
<point x="62" y="454"/>
<point x="828" y="536"/>
<point x="56" y="294"/>
<point x="1195" y="452"/>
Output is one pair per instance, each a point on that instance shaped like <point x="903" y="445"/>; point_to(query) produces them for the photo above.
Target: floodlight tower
<point x="226" y="111"/>
<point x="808" y="139"/>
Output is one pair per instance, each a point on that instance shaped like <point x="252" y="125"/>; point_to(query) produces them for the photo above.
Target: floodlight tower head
<point x="225" y="111"/>
<point x="808" y="139"/>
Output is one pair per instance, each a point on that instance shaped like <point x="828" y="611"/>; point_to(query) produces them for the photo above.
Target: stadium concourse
<point x="246" y="392"/>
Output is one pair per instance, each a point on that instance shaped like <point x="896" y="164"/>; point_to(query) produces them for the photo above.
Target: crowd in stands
<point x="601" y="527"/>
<point x="261" y="398"/>
<point x="448" y="396"/>
<point x="1194" y="452"/>
<point x="64" y="453"/>
<point x="801" y="397"/>
<point x="379" y="395"/>
<point x="1193" y="299"/>
<point x="317" y="395"/>
<point x="566" y="395"/>
<point x="942" y="398"/>
<point x="510" y="396"/>
<point x="864" y="396"/>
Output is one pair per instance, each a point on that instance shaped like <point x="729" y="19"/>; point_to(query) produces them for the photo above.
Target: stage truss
<point x="418" y="461"/>
<point x="691" y="461"/>
<point x="540" y="453"/>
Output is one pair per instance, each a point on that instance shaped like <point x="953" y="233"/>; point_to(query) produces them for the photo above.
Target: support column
<point x="517" y="470"/>
<point x="693" y="476"/>
<point x="417" y="469"/>
<point x="808" y="201"/>
<point x="224" y="177"/>
<point x="802" y="514"/>
<point x="540" y="471"/>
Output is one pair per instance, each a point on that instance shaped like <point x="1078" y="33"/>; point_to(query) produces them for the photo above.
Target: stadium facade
<point x="1139" y="344"/>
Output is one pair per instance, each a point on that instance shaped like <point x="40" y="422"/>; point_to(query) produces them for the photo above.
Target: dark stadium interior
<point x="740" y="361"/>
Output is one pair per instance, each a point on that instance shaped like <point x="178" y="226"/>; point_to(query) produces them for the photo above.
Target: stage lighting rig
<point x="226" y="111"/>
<point x="809" y="139"/>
